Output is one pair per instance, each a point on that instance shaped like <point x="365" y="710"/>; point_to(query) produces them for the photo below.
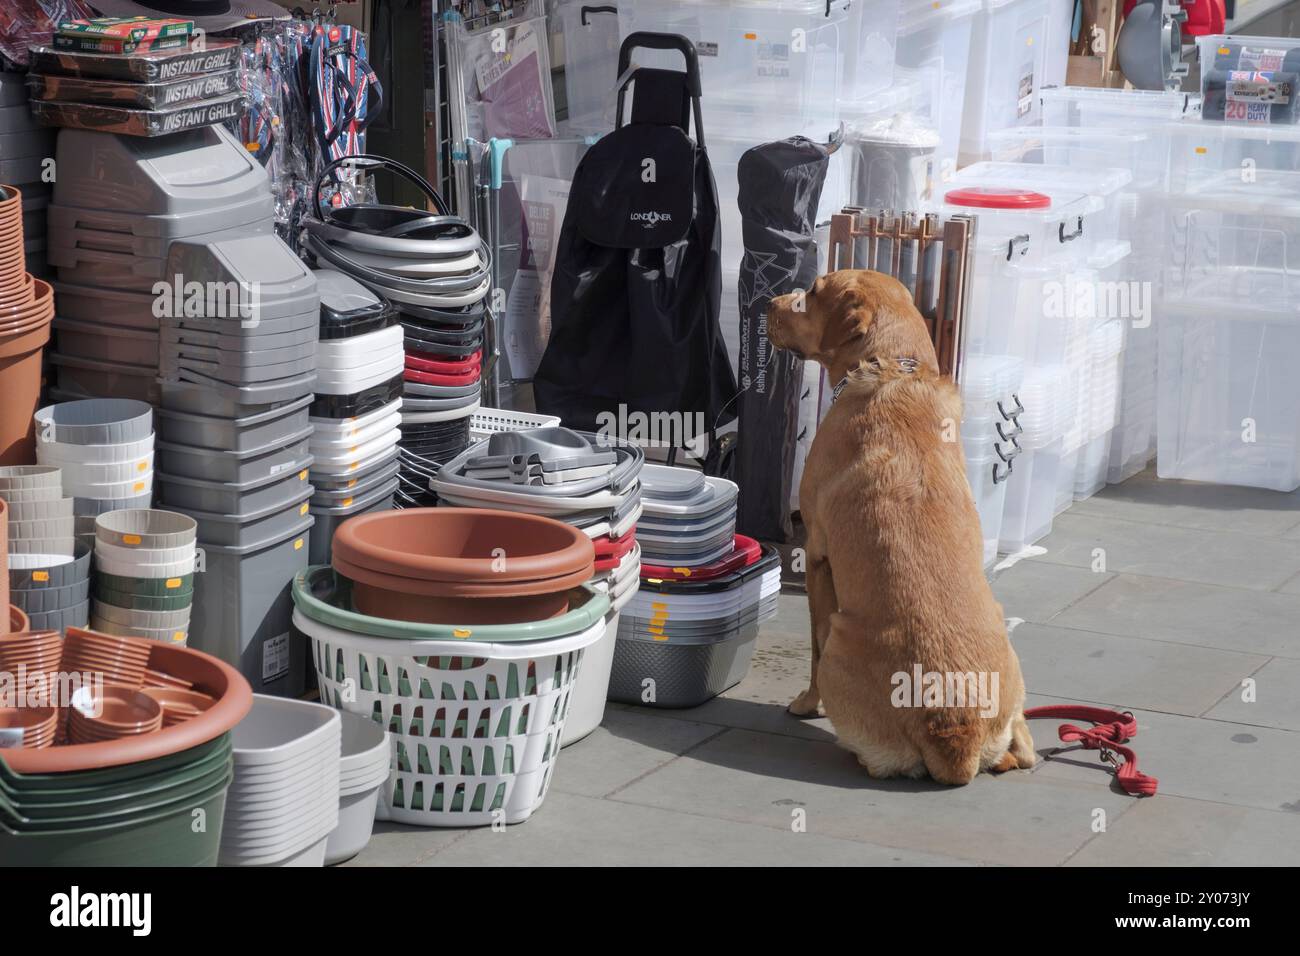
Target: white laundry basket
<point x="476" y="726"/>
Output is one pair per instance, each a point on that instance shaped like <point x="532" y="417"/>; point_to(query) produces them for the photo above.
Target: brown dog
<point x="909" y="648"/>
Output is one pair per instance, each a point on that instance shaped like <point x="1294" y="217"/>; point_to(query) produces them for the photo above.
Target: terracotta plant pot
<point x="17" y="619"/>
<point x="122" y="660"/>
<point x="430" y="609"/>
<point x="20" y="371"/>
<point x="178" y="705"/>
<point x="4" y="562"/>
<point x="468" y="545"/>
<point x="38" y="724"/>
<point x="42" y="302"/>
<point x="233" y="696"/>
<point x="111" y="714"/>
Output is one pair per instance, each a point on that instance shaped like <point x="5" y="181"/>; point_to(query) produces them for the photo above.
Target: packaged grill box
<point x="129" y="122"/>
<point x="147" y="96"/>
<point x="151" y="67"/>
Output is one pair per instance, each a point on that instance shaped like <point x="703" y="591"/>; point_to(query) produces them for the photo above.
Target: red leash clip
<point x="1110" y="731"/>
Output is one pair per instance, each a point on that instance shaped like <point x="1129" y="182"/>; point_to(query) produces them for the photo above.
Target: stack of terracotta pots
<point x="462" y="565"/>
<point x="26" y="310"/>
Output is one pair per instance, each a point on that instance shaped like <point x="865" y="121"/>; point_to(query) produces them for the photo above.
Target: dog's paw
<point x="806" y="706"/>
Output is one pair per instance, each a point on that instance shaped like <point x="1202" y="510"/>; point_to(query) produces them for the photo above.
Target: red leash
<point x="1111" y="730"/>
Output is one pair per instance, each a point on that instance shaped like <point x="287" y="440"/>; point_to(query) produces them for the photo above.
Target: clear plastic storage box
<point x="1006" y="73"/>
<point x="934" y="43"/>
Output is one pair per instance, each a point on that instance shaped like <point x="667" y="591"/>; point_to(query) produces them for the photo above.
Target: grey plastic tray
<point x="328" y="519"/>
<point x="232" y="374"/>
<point x="41" y="600"/>
<point x="222" y="401"/>
<point x="353" y="488"/>
<point x="243" y="610"/>
<point x="76" y="616"/>
<point x="95" y="421"/>
<point x="619" y="478"/>
<point x="671" y="484"/>
<point x="232" y="530"/>
<point x="412" y="403"/>
<point x="102" y="342"/>
<point x="441" y="391"/>
<point x="276" y="458"/>
<point x="234" y="434"/>
<point x="91" y="304"/>
<point x="79" y="378"/>
<point x="250" y="330"/>
<point x="343" y="483"/>
<point x="244" y="499"/>
<point x="243" y="360"/>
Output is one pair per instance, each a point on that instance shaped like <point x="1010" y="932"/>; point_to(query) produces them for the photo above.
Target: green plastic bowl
<point x="107" y="781"/>
<point x="166" y="838"/>
<point x="324" y="596"/>
<point x="145" y="587"/>
<point x="176" y="601"/>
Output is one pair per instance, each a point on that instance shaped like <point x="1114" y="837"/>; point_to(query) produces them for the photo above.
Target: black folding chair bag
<point x="637" y="283"/>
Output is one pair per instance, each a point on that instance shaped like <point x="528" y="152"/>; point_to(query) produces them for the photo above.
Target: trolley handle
<point x="663" y="41"/>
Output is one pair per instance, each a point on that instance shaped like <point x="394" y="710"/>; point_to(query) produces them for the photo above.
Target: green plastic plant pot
<point x="166" y="838"/>
<point x="322" y="595"/>
<point x="112" y="782"/>
<point x="146" y="587"/>
<point x="143" y="602"/>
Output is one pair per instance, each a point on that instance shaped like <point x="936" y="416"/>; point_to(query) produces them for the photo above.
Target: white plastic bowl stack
<point x="40" y="536"/>
<point x="104" y="448"/>
<point x="363" y="771"/>
<point x="284" y="801"/>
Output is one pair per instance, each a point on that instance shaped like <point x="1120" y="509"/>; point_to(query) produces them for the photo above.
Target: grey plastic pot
<point x="55" y="576"/>
<point x="276" y="458"/>
<point x="243" y="610"/>
<point x="75" y="616"/>
<point x="43" y="600"/>
<point x="95" y="421"/>
<point x="243" y="499"/>
<point x="145" y="528"/>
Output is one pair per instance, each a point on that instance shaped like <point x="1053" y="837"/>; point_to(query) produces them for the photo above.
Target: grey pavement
<point x="1179" y="602"/>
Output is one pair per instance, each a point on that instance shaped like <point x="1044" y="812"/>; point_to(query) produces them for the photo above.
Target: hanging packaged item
<point x="505" y="71"/>
<point x="636" y="288"/>
<point x="780" y="188"/>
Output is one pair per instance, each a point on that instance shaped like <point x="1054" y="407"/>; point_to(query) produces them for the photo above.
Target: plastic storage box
<point x="1007" y="70"/>
<point x="934" y="44"/>
<point x="590" y="33"/>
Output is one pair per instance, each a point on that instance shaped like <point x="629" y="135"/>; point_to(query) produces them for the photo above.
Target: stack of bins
<point x="689" y="633"/>
<point x="235" y="448"/>
<point x="25" y="151"/>
<point x="357" y="410"/>
<point x="1086" y="316"/>
<point x="119" y="204"/>
<point x="1132" y="129"/>
<point x="1028" y="245"/>
<point x="990" y="430"/>
<point x="48" y="576"/>
<point x="1229" y="335"/>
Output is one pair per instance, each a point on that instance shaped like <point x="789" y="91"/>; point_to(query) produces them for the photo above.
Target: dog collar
<point x="907" y="365"/>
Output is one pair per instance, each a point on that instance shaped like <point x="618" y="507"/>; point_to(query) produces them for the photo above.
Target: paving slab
<point x="1229" y="559"/>
<point x="1209" y="760"/>
<point x="762" y="779"/>
<point x="1186" y="613"/>
<point x="1128" y="672"/>
<point x="1173" y="831"/>
<point x="1190" y="504"/>
<point x="572" y="830"/>
<point x="1276" y="702"/>
<point x="1038" y="591"/>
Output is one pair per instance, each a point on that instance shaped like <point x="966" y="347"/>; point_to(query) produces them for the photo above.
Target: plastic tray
<point x="219" y="400"/>
<point x="241" y="530"/>
<point x="235" y="434"/>
<point x="358" y="403"/>
<point x="196" y="495"/>
<point x="276" y="458"/>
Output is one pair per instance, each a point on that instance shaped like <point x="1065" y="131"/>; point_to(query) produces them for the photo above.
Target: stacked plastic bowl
<point x="284" y="801"/>
<point x="131" y="793"/>
<point x="476" y="712"/>
<point x="48" y="574"/>
<point x="575" y="478"/>
<point x="119" y="205"/>
<point x="689" y="632"/>
<point x="364" y="766"/>
<point x="234" y="449"/>
<point x="26" y="310"/>
<point x="144" y="574"/>
<point x="357" y="409"/>
<point x="434" y="268"/>
<point x="104" y="448"/>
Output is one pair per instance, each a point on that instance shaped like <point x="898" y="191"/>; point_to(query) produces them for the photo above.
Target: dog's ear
<point x="848" y="319"/>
